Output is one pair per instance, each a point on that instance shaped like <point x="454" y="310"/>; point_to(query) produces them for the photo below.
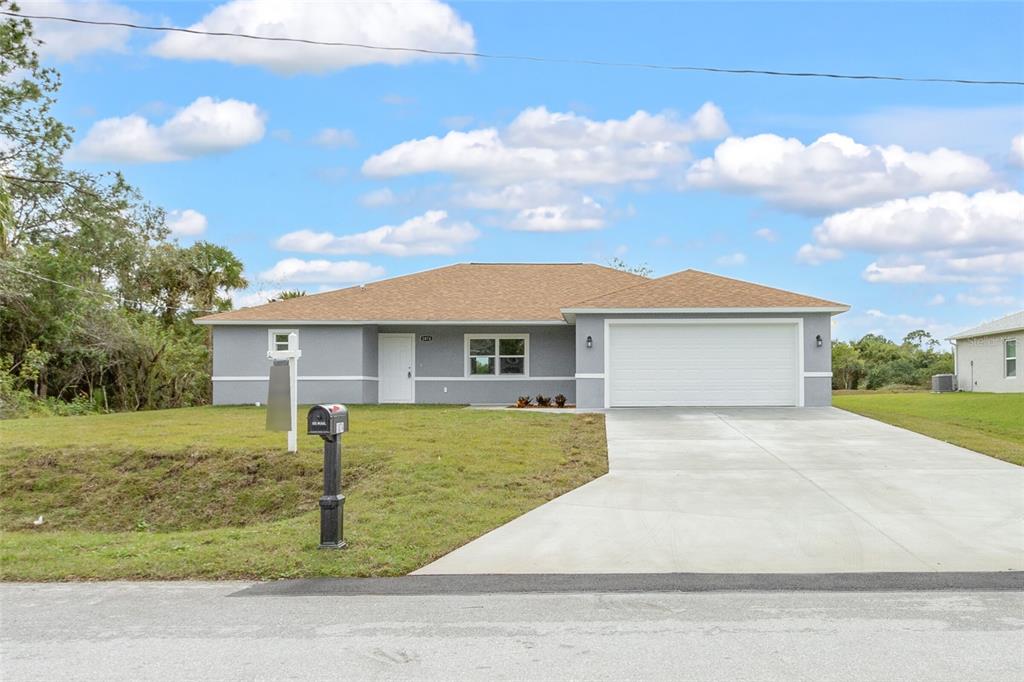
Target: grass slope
<point x="208" y="493"/>
<point x="990" y="423"/>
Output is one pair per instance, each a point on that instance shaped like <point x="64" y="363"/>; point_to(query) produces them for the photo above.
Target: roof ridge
<point x="647" y="280"/>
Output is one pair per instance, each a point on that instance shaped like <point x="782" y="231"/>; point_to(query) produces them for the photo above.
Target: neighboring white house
<point x="986" y="357"/>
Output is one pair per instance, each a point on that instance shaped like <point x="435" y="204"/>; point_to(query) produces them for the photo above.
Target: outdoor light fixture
<point x="590" y="342"/>
<point x="817" y="341"/>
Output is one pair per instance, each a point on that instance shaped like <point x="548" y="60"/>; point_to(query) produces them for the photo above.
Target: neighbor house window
<point x="502" y="355"/>
<point x="1010" y="348"/>
<point x="278" y="339"/>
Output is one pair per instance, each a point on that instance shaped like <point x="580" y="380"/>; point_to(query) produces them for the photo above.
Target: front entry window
<point x="496" y="355"/>
<point x="1011" y="358"/>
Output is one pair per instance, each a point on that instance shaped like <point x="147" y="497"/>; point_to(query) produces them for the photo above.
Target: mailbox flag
<point x="279" y="397"/>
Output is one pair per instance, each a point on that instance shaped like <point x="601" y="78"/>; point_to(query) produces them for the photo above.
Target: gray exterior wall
<point x="240" y="364"/>
<point x="817" y="390"/>
<point x="440" y="364"/>
<point x="980" y="364"/>
<point x="558" y="356"/>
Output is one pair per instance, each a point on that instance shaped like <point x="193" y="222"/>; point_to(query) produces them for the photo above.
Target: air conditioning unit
<point x="943" y="383"/>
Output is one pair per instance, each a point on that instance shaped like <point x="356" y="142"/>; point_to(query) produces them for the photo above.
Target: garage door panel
<point x="702" y="364"/>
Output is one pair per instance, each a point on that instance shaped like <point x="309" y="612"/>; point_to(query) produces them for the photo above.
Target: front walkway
<point x="779" y="490"/>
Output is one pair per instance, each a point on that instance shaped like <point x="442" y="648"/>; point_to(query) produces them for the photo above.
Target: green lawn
<point x="990" y="423"/>
<point x="208" y="493"/>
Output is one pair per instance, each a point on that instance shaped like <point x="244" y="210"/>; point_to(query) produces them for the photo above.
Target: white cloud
<point x="538" y="168"/>
<point x="378" y="197"/>
<point x="243" y="299"/>
<point x="891" y="325"/>
<point x="429" y="234"/>
<point x="186" y="223"/>
<point x="932" y="268"/>
<point x="937" y="221"/>
<point x="206" y="126"/>
<point x="67" y="41"/>
<point x="937" y="299"/>
<point x="982" y="129"/>
<point x="557" y="147"/>
<point x="332" y="138"/>
<point x="538" y="127"/>
<point x="812" y="254"/>
<point x="587" y="214"/>
<point x="913" y="273"/>
<point x="767" y="234"/>
<point x="1004" y="263"/>
<point x="424" y="24"/>
<point x="1017" y="150"/>
<point x="981" y="300"/>
<point x="832" y="172"/>
<point x="902" y="318"/>
<point x="732" y="259"/>
<point x="298" y="271"/>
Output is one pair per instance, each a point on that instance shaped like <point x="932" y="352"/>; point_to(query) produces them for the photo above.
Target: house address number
<point x="425" y="338"/>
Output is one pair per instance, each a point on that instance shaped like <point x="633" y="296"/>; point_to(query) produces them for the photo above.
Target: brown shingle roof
<point x="696" y="289"/>
<point x="467" y="291"/>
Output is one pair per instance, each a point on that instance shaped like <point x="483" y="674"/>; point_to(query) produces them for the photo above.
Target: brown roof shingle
<point x="466" y="291"/>
<point x="696" y="289"/>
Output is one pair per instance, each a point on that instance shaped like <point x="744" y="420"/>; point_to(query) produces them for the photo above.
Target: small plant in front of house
<point x="543" y="401"/>
<point x="523" y="401"/>
<point x="560" y="400"/>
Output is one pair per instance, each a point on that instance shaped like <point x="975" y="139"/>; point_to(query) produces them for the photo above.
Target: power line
<point x="520" y="57"/>
<point x="94" y="292"/>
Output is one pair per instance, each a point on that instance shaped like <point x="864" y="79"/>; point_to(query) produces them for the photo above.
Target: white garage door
<point x="696" y="364"/>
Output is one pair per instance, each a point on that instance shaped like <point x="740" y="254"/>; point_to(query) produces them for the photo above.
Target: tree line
<point x="96" y="298"/>
<point x="876" y="362"/>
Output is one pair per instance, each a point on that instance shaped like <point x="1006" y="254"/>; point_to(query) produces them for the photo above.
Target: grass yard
<point x="208" y="493"/>
<point x="990" y="423"/>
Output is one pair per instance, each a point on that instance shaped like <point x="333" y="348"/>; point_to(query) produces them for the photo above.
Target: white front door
<point x="396" y="360"/>
<point x="699" y="363"/>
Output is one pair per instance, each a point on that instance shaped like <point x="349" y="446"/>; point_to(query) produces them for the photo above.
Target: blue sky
<point x="908" y="207"/>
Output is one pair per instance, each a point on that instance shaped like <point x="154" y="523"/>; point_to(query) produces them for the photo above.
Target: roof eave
<point x="276" y="322"/>
<point x="974" y="335"/>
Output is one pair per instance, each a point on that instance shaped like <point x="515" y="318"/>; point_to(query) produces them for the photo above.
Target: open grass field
<point x="990" y="423"/>
<point x="208" y="493"/>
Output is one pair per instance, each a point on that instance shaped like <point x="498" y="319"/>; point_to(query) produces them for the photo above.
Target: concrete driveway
<point x="777" y="490"/>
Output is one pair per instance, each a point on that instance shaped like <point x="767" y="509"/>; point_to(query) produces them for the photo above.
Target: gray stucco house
<point x="985" y="357"/>
<point x="481" y="333"/>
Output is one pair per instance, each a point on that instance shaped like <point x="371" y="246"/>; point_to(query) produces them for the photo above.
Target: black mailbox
<point x="327" y="420"/>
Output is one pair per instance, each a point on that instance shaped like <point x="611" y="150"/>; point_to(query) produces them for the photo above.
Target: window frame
<point x="272" y="341"/>
<point x="467" y="359"/>
<point x="1007" y="358"/>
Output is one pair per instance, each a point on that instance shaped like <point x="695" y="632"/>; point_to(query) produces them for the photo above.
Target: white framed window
<point x="497" y="355"/>
<point x="277" y="339"/>
<point x="1010" y="358"/>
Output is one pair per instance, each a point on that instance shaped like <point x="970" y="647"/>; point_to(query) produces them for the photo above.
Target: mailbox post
<point x="329" y="422"/>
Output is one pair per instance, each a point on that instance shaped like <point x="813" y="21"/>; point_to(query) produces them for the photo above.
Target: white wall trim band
<point x="494" y="378"/>
<point x="599" y="375"/>
<point x="309" y="378"/>
<point x="818" y="374"/>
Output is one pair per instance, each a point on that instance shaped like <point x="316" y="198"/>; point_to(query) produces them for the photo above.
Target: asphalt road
<point x="181" y="631"/>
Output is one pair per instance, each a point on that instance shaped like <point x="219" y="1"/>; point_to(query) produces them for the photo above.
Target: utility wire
<point x="519" y="57"/>
<point x="94" y="292"/>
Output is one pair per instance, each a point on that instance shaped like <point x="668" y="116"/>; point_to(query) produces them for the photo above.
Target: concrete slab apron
<point x="784" y="490"/>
